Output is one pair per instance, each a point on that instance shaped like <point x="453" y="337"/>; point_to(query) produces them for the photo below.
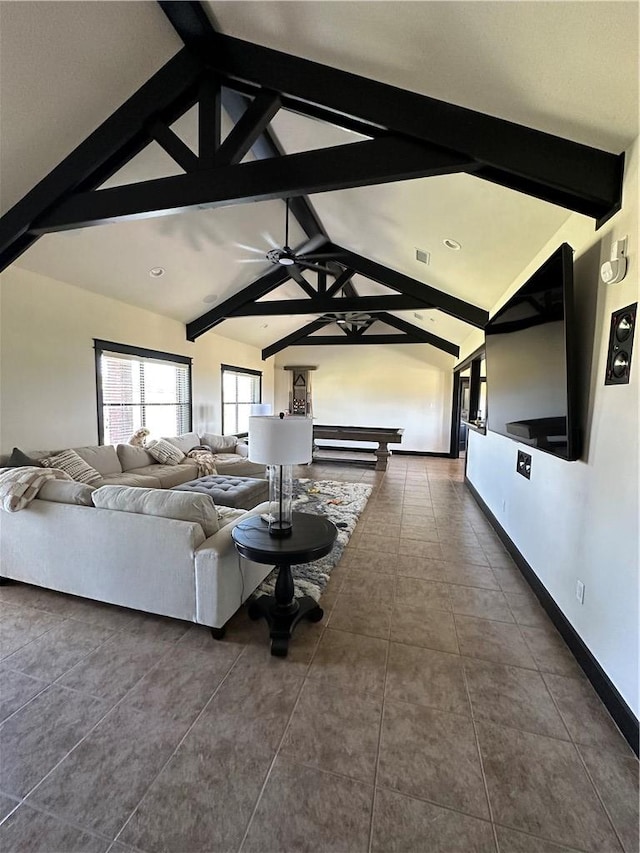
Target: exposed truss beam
<point x="429" y="296"/>
<point x="290" y="340"/>
<point x="166" y="96"/>
<point x="549" y="167"/>
<point x="248" y="129"/>
<point x="322" y="304"/>
<point x="209" y="121"/>
<point x="419" y="335"/>
<point x="357" y="164"/>
<point x="341" y="282"/>
<point x="355" y="340"/>
<point x="194" y="27"/>
<point x="175" y="147"/>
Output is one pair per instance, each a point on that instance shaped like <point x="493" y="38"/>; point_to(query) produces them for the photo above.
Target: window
<point x="141" y="388"/>
<point x="240" y="389"/>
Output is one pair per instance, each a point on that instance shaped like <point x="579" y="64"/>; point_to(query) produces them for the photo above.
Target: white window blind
<point x="143" y="392"/>
<point x="240" y="389"/>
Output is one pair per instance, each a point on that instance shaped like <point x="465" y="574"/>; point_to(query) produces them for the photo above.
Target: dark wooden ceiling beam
<point x="401" y="283"/>
<point x="352" y="340"/>
<point x="418" y="334"/>
<point x="358" y="164"/>
<point x="166" y="96"/>
<point x="174" y="147"/>
<point x="551" y="168"/>
<point x="291" y="339"/>
<point x="343" y="279"/>
<point x="209" y="120"/>
<point x="326" y="305"/>
<point x="248" y="129"/>
<point x="195" y="28"/>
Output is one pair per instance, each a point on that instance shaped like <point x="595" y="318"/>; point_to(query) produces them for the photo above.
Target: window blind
<point x="240" y="390"/>
<point x="143" y="392"/>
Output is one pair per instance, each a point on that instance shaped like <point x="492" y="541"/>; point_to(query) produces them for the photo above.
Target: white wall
<point x="47" y="368"/>
<point x="579" y="520"/>
<point x="405" y="386"/>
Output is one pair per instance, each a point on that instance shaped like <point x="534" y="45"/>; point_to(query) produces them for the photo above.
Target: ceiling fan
<point x="286" y="257"/>
<point x="355" y="319"/>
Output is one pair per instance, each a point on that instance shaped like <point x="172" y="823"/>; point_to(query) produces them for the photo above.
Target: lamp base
<point x="280" y="529"/>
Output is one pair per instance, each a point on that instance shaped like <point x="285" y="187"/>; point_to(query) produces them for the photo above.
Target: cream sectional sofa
<point x="148" y="554"/>
<point x="127" y="465"/>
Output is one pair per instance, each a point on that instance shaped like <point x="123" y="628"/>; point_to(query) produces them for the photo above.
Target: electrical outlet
<point x="523" y="465"/>
<point x="580" y="592"/>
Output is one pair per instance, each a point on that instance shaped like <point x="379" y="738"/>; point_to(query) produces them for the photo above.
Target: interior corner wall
<point x="47" y="366"/>
<point x="579" y="520"/>
<point x="405" y="386"/>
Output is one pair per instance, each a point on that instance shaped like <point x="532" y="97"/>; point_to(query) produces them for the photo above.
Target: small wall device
<point x="615" y="270"/>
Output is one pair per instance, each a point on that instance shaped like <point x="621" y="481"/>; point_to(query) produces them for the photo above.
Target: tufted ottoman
<point x="239" y="492"/>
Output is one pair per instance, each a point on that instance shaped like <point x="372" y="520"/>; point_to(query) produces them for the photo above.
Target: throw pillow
<point x="69" y="462"/>
<point x="66" y="492"/>
<point x="165" y="453"/>
<point x="18" y="459"/>
<point x="183" y="506"/>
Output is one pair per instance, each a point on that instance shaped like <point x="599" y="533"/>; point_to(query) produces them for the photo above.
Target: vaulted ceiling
<point x="452" y="175"/>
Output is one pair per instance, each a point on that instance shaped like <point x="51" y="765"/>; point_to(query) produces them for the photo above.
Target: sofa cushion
<point x="167" y="476"/>
<point x="18" y="459"/>
<point x="129" y="478"/>
<point x="232" y="465"/>
<point x="183" y="506"/>
<point x="73" y="465"/>
<point x="185" y="442"/>
<point x="165" y="452"/>
<point x="66" y="492"/>
<point x="219" y="443"/>
<point x="103" y="458"/>
<point x="131" y="457"/>
<point x="227" y="514"/>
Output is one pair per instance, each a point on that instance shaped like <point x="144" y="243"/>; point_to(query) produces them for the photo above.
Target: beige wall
<point x="406" y="386"/>
<point x="579" y="520"/>
<point x="47" y="368"/>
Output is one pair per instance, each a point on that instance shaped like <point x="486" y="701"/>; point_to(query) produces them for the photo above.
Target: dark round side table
<point x="312" y="537"/>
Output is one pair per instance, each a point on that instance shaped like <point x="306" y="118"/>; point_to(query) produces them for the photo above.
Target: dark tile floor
<point x="434" y="709"/>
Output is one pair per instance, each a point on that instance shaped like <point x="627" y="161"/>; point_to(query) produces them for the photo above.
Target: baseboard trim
<point x="624" y="717"/>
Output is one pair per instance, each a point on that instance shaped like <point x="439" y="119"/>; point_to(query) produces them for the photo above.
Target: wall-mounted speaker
<point x="623" y="324"/>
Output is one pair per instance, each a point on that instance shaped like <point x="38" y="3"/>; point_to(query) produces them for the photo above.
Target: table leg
<point x="382" y="454"/>
<point x="283" y="611"/>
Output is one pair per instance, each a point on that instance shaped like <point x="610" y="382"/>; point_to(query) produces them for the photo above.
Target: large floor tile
<point x="496" y="641"/>
<point x="550" y="651"/>
<point x="303" y="810"/>
<point x="512" y="696"/>
<point x="368" y="560"/>
<point x="355" y="613"/>
<point x="20" y="625"/>
<point x="538" y="785"/>
<point x="431" y="755"/>
<point x="180" y="686"/>
<point x="402" y="824"/>
<point x="30" y="830"/>
<point x="41" y="733"/>
<point x="336" y="730"/>
<point x="52" y="654"/>
<point x="204" y="797"/>
<point x="7" y="804"/>
<point x="616" y="779"/>
<point x="100" y="783"/>
<point x="527" y="610"/>
<point x="510" y="841"/>
<point x="468" y="574"/>
<point x="351" y="661"/>
<point x="414" y="566"/>
<point x="584" y="714"/>
<point x="432" y="629"/>
<point x="483" y="603"/>
<point x="376" y="587"/>
<point x="16" y="689"/>
<point x="114" y="668"/>
<point x="422" y="595"/>
<point x="426" y="677"/>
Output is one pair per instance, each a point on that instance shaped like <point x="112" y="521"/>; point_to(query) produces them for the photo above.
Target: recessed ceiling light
<point x="452" y="244"/>
<point x="212" y="297"/>
<point x="156" y="272"/>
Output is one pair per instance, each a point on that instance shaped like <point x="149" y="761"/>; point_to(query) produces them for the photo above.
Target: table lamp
<point x="280" y="442"/>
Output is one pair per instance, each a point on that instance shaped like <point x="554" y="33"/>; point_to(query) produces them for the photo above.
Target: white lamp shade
<point x="260" y="409"/>
<point x="280" y="441"/>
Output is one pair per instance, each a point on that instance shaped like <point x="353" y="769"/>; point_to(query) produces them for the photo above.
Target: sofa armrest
<point x="242" y="449"/>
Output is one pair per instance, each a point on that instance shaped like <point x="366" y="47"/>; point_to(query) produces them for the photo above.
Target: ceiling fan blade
<point x="261" y="260"/>
<point x="270" y="240"/>
<point x="328" y="255"/>
<point x="248" y="248"/>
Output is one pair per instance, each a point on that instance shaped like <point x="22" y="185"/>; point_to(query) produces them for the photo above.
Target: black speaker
<point x="623" y="324"/>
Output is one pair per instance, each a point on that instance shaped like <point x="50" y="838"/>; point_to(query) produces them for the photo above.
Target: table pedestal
<point x="283" y="611"/>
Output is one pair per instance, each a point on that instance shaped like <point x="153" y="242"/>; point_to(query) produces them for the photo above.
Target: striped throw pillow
<point x="69" y="462"/>
<point x="164" y="452"/>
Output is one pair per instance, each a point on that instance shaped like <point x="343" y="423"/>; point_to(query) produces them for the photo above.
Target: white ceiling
<point x="569" y="68"/>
